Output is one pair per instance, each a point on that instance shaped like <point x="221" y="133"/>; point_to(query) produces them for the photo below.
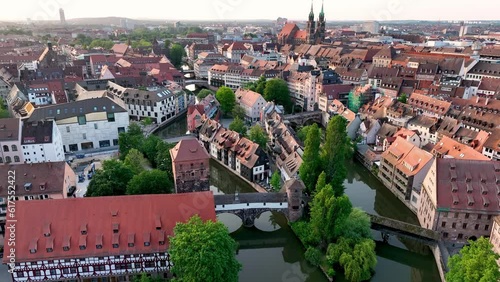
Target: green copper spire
<point x="311" y="14"/>
<point x="322" y="13"/>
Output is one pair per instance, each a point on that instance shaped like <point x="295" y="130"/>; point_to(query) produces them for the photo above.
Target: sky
<point x="253" y="9"/>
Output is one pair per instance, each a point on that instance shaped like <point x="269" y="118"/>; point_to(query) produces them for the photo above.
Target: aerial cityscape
<point x="231" y="140"/>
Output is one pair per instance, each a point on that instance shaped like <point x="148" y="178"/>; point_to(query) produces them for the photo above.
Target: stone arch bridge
<point x="249" y="206"/>
<point x="305" y="118"/>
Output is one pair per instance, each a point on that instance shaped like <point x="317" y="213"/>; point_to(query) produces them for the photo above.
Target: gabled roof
<point x="44" y="178"/>
<point x="188" y="150"/>
<point x="247" y="98"/>
<point x="451" y="148"/>
<point x="145" y="219"/>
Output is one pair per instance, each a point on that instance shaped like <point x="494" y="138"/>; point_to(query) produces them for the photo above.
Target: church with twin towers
<point x="316" y="29"/>
<point x="313" y="34"/>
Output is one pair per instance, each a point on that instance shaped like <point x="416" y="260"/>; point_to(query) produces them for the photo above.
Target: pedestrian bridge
<point x="249" y="206"/>
<point x="197" y="82"/>
<point x="402" y="229"/>
<point x="304" y="118"/>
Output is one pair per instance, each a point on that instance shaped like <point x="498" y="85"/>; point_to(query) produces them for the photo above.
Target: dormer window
<point x="83" y="229"/>
<point x="43" y="186"/>
<point x="46" y="229"/>
<point x="116" y="241"/>
<point x="147" y="239"/>
<point x="98" y="241"/>
<point x="33" y="246"/>
<point x="116" y="227"/>
<point x="83" y="242"/>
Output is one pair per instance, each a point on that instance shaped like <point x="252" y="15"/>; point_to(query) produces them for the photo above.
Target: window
<point x="487" y="227"/>
<point x="476" y="227"/>
<point x="8" y="159"/>
<point x="73" y="147"/>
<point x="489" y="217"/>
<point x="111" y="117"/>
<point x="104" y="144"/>
<point x="99" y="268"/>
<point x="131" y="245"/>
<point x="115" y="246"/>
<point x="53" y="272"/>
<point x="84" y="136"/>
<point x="121" y="130"/>
<point x="85" y="268"/>
<point x="445" y="235"/>
<point x="479" y="216"/>
<point x="5" y="148"/>
<point x="37" y="273"/>
<point x="115" y="142"/>
<point x="82" y="120"/>
<point x="65" y="270"/>
<point x="443" y="224"/>
<point x="146" y="244"/>
<point x="98" y="246"/>
<point x="460" y="236"/>
<point x="68" y="129"/>
<point x="454" y="225"/>
<point x="96" y="126"/>
<point x="456" y="215"/>
<point x="466" y="215"/>
<point x="464" y="226"/>
<point x="66" y="248"/>
<point x="14" y="148"/>
<point x="16" y="159"/>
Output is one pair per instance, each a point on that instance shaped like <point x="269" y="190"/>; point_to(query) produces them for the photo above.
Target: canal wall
<point x="439" y="251"/>
<point x="256" y="186"/>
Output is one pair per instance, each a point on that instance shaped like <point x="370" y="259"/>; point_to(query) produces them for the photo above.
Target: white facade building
<point x="87" y="124"/>
<point x="42" y="142"/>
<point x="252" y="102"/>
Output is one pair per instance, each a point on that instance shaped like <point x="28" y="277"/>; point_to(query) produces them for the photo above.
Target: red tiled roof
<point x="287" y="29"/>
<point x="188" y="150"/>
<point x="475" y="184"/>
<point x="135" y="216"/>
<point x="247" y="97"/>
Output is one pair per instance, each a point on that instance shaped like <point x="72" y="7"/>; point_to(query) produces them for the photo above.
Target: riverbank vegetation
<point x="333" y="228"/>
<point x="144" y="167"/>
<point x="203" y="251"/>
<point x="475" y="263"/>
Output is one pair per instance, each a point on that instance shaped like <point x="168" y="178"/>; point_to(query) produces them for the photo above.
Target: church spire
<point x="322" y="13"/>
<point x="311" y="14"/>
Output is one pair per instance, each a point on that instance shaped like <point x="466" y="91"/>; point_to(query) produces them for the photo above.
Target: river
<point x="271" y="252"/>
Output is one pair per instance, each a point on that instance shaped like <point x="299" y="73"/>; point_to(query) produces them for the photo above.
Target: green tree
<point x="258" y="135"/>
<point x="334" y="153"/>
<point x="111" y="180"/>
<point x="321" y="181"/>
<point x="131" y="139"/>
<point x="302" y="132"/>
<point x="276" y="90"/>
<point x="239" y="126"/>
<point x="150" y="182"/>
<point x="135" y="161"/>
<point x="313" y="256"/>
<point x="4" y="113"/>
<point x="147" y="121"/>
<point x="311" y="160"/>
<point x="260" y="85"/>
<point x="226" y="98"/>
<point x="176" y="54"/>
<point x="203" y="251"/>
<point x="328" y="214"/>
<point x="357" y="226"/>
<point x="163" y="159"/>
<point x="239" y="112"/>
<point x="474" y="263"/>
<point x="145" y="278"/>
<point x="149" y="147"/>
<point x="276" y="181"/>
<point x="203" y="93"/>
<point x="403" y="98"/>
<point x="359" y="264"/>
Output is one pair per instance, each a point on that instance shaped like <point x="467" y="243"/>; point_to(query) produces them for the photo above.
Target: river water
<point x="271" y="252"/>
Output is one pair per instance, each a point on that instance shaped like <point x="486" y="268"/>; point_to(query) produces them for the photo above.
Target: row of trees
<point x="144" y="167"/>
<point x="337" y="236"/>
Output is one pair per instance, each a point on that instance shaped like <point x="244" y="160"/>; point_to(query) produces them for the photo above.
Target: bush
<point x="305" y="233"/>
<point x="313" y="256"/>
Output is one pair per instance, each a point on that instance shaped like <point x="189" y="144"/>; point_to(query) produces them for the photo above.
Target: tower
<point x="62" y="18"/>
<point x="321" y="26"/>
<point x="311" y="27"/>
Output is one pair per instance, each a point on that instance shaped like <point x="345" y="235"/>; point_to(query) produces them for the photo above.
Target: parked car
<point x="89" y="176"/>
<point x="81" y="178"/>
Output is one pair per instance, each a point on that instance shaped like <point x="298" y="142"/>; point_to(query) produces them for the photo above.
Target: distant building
<point x="62" y="18"/>
<point x="191" y="167"/>
<point x="459" y="198"/>
<point x="372" y="27"/>
<point x="252" y="102"/>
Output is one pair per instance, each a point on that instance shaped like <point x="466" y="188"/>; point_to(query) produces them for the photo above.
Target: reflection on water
<point x="402" y="260"/>
<point x="231" y="221"/>
<point x="267" y="221"/>
<point x="226" y="181"/>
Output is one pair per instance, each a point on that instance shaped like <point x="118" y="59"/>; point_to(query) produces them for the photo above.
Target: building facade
<point x="42" y="142"/>
<point x="191" y="167"/>
<point x="252" y="102"/>
<point x="459" y="198"/>
<point x="101" y="238"/>
<point x="10" y="141"/>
